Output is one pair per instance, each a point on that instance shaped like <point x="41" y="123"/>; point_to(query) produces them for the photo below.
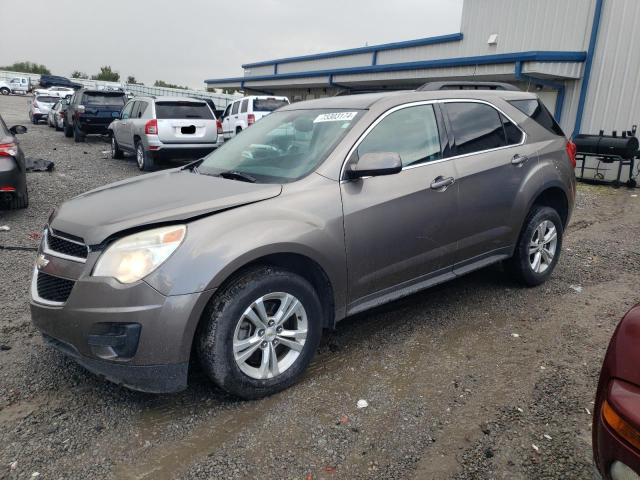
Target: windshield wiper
<point x="235" y="175"/>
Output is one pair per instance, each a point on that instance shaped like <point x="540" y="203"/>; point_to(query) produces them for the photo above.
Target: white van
<point x="246" y="111"/>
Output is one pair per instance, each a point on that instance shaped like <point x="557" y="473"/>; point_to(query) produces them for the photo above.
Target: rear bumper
<point x="11" y="176"/>
<point x="94" y="126"/>
<point x="187" y="152"/>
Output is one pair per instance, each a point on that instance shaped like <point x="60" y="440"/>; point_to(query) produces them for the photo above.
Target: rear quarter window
<point x="183" y="110"/>
<point x="476" y="127"/>
<point x="47" y="99"/>
<point x="535" y="109"/>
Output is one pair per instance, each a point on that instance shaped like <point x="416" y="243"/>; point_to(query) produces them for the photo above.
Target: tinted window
<point x="514" y="134"/>
<point x="234" y="108"/>
<point x="126" y="111"/>
<point x="535" y="109"/>
<point x="411" y="132"/>
<point x="476" y="127"/>
<point x="226" y="111"/>
<point x="46" y="99"/>
<point x="268" y="104"/>
<point x="243" y="107"/>
<point x="183" y="110"/>
<point x="135" y="110"/>
<point x="103" y="99"/>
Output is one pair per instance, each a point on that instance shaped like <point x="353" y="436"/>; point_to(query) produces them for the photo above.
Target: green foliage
<point x="27" y="67"/>
<point x="230" y="91"/>
<point x="79" y="74"/>
<point x="131" y="79"/>
<point x="162" y="83"/>
<point x="106" y="74"/>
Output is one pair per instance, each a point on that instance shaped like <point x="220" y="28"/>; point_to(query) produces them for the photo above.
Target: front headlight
<point x="136" y="256"/>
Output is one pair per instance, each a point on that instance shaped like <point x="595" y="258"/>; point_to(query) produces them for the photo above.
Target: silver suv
<point x="165" y="128"/>
<point x="320" y="210"/>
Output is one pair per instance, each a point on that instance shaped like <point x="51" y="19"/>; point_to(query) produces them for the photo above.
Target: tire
<point x="143" y="159"/>
<point x="522" y="265"/>
<point x="18" y="202"/>
<point x="68" y="131"/>
<point x="5" y="91"/>
<point x="34" y="120"/>
<point x="115" y="149"/>
<point x="58" y="129"/>
<point x="238" y="130"/>
<point x="224" y="319"/>
<point x="78" y="136"/>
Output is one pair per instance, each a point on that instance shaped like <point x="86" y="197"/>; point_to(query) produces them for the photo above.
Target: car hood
<point x="167" y="196"/>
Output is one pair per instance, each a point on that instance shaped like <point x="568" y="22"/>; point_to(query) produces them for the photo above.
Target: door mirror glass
<point x="18" y="129"/>
<point x="375" y="164"/>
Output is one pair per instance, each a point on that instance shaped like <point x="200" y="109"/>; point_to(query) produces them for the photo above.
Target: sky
<point x="185" y="42"/>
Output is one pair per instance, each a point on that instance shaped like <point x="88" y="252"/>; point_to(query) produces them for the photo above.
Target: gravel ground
<point x="451" y="392"/>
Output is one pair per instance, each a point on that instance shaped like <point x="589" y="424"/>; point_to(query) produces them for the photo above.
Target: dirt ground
<point x="462" y="381"/>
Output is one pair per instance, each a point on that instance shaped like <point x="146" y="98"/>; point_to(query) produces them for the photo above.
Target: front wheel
<point x="538" y="249"/>
<point x="259" y="334"/>
<point x="5" y="91"/>
<point x="115" y="148"/>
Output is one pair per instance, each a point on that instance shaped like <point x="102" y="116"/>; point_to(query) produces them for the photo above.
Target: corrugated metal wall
<point x="613" y="99"/>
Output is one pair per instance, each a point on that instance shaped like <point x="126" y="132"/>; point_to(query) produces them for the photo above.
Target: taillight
<point x="571" y="151"/>
<point x="251" y="119"/>
<point x="151" y="127"/>
<point x="8" y="150"/>
<point x="219" y="126"/>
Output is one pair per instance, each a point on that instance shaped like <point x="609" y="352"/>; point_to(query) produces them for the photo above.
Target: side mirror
<point x="18" y="129"/>
<point x="375" y="164"/>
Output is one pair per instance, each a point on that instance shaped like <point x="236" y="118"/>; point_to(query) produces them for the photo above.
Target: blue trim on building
<point x="374" y="58"/>
<point x="547" y="83"/>
<point x="532" y="56"/>
<point x="587" y="66"/>
<point x="453" y="37"/>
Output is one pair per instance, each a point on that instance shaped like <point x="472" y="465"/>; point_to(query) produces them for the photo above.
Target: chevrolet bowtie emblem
<point x="41" y="261"/>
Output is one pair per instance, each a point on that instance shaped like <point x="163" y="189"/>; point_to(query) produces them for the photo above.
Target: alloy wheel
<point x="270" y="335"/>
<point x="140" y="156"/>
<point x="542" y="246"/>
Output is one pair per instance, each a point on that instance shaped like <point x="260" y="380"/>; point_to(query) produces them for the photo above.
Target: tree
<point x="79" y="74"/>
<point x="162" y="83"/>
<point x="27" y="67"/>
<point x="131" y="79"/>
<point x="230" y="91"/>
<point x="106" y="74"/>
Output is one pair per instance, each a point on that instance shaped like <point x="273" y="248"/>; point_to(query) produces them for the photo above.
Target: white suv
<point x="246" y="111"/>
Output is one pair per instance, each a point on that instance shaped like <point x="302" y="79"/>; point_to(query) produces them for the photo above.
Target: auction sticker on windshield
<point x="335" y="117"/>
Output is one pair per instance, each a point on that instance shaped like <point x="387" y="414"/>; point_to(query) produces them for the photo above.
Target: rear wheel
<point x="68" y="131"/>
<point x="259" y="334"/>
<point x="115" y="149"/>
<point x="143" y="158"/>
<point x="21" y="201"/>
<point x="238" y="130"/>
<point x="538" y="248"/>
<point x="78" y="136"/>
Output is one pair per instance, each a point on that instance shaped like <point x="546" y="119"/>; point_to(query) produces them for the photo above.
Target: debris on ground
<point x="535" y="447"/>
<point x="362" y="404"/>
<point x="5" y="228"/>
<point x="515" y="335"/>
<point x="576" y="288"/>
<point x="548" y="437"/>
<point x="38" y="165"/>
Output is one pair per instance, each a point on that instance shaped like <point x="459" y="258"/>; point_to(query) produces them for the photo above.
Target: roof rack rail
<point x="358" y="91"/>
<point x="432" y="86"/>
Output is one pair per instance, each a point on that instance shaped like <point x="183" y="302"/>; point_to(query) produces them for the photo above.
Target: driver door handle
<point x="519" y="159"/>
<point x="441" y="183"/>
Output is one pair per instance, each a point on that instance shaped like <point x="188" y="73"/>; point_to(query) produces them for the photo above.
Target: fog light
<point x="619" y="471"/>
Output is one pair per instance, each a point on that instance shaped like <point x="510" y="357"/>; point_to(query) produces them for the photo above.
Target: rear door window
<point x="268" y="104"/>
<point x="411" y="132"/>
<point x="183" y="110"/>
<point x="536" y="110"/>
<point x="243" y="107"/>
<point x="476" y="127"/>
<point x="135" y="110"/>
<point x="234" y="108"/>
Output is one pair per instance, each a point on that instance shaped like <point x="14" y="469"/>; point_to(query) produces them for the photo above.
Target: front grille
<point x="54" y="289"/>
<point x="57" y="243"/>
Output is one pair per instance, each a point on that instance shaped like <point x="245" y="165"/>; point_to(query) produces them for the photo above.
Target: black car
<point x="13" y="179"/>
<point x="91" y="112"/>
<point x="47" y="81"/>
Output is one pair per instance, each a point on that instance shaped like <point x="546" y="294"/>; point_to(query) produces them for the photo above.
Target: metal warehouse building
<point x="581" y="56"/>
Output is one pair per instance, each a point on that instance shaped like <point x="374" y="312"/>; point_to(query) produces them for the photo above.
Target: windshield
<point x="283" y="147"/>
<point x="268" y="104"/>
<point x="103" y="99"/>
